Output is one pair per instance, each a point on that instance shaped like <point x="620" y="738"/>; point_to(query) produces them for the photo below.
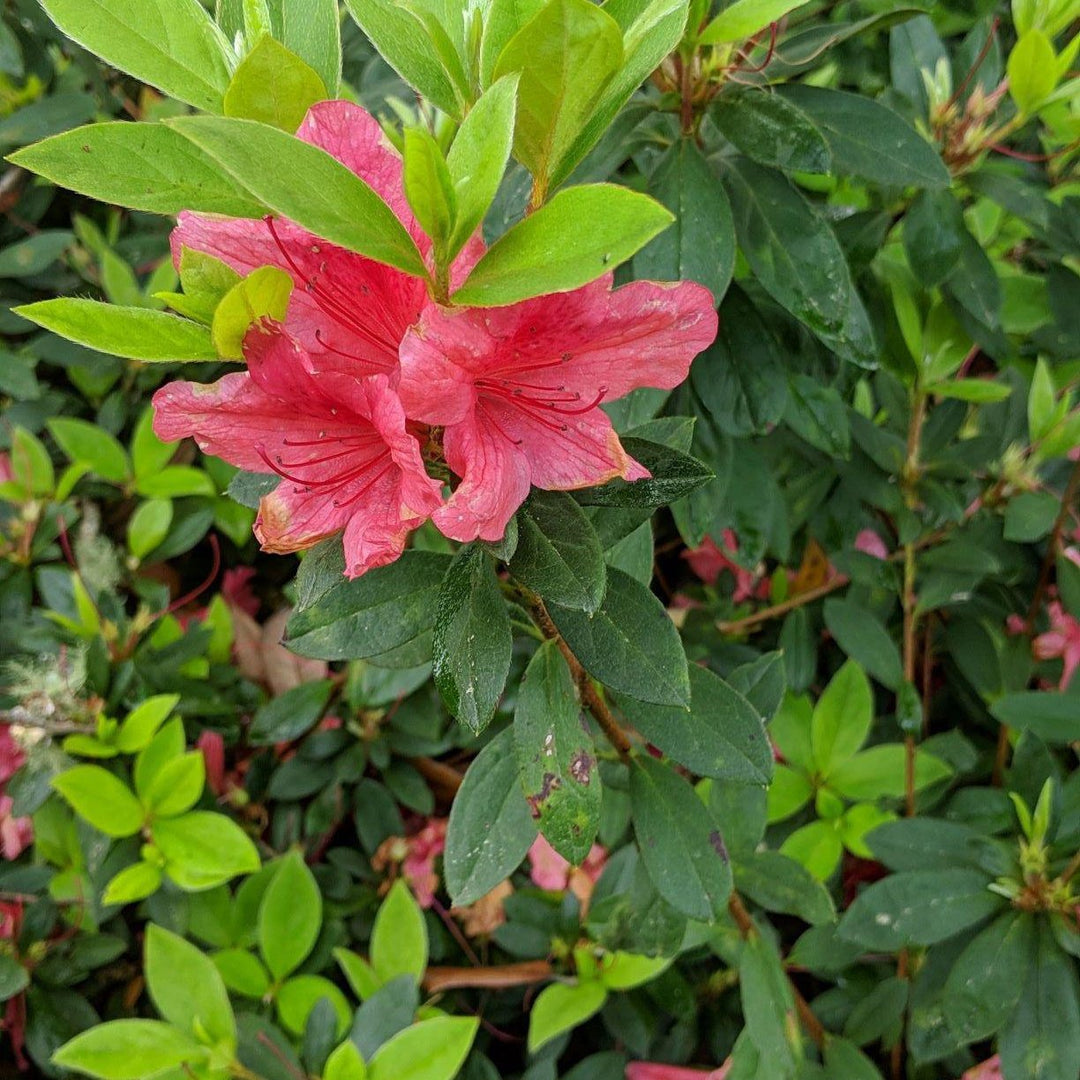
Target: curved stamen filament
<point x="283" y="469"/>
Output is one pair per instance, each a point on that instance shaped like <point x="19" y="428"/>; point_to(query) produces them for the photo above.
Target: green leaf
<point x="629" y="644"/>
<point x="701" y="245"/>
<point x="428" y="186"/>
<point x="868" y="139"/>
<point x="865" y="640"/>
<point x="31" y="466"/>
<point x="797" y="259"/>
<point x="131" y="332"/>
<point x="934" y="235"/>
<point x="14" y="978"/>
<point x="206" y="282"/>
<point x="297" y="997"/>
<point x="674" y="475"/>
<point x="561" y="1007"/>
<point x="1054" y="718"/>
<point x="817" y="846"/>
<point x="187" y="989"/>
<point x="768" y="1005"/>
<point x="922" y="907"/>
<point x="558" y="553"/>
<point x="490" y="826"/>
<point x="556" y="756"/>
<point x="879" y="773"/>
<point x="472" y="640"/>
<point x="290" y="916"/>
<point x="404" y="43"/>
<point x="1041" y="401"/>
<point x="770" y="130"/>
<point x="721" y="735"/>
<point x="264" y="293"/>
<point x="478" y="157"/>
<point x="274" y="86"/>
<point x="172" y="45"/>
<point x="149" y="526"/>
<point x="1032" y="71"/>
<point x="987" y="980"/>
<point x="331" y="201"/>
<point x="566" y="55"/>
<point x="980" y="391"/>
<point x="626" y="971"/>
<point x="842" y="717"/>
<point x="345" y="1063"/>
<point x="133" y="883"/>
<point x="399" y="940"/>
<point x="93" y="446"/>
<point x="781" y="884"/>
<point x="431" y="1050"/>
<point x="679" y="841"/>
<point x="358" y="972"/>
<point x="242" y="972"/>
<point x="845" y="1061"/>
<point x="98" y="796"/>
<point x="203" y="849"/>
<point x="35" y="254"/>
<point x="291" y="714"/>
<point x="1042" y="1041"/>
<point x="177" y="786"/>
<point x="740" y="378"/>
<point x="745" y="17"/>
<point x="312" y="30"/>
<point x="550" y="252"/>
<point x="385" y="609"/>
<point x="130" y="1050"/>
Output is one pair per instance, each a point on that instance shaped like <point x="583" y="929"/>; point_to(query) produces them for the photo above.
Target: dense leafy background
<point x="883" y="564"/>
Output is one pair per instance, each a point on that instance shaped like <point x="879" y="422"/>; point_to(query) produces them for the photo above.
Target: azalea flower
<point x="550" y="871"/>
<point x="986" y="1070"/>
<point x="708" y="561"/>
<point x="339" y="443"/>
<point x="416" y="857"/>
<point x="1061" y="641"/>
<point x="647" y="1070"/>
<point x="870" y="543"/>
<point x="348" y="312"/>
<point x="16" y="833"/>
<point x="11" y="755"/>
<point x="518" y="389"/>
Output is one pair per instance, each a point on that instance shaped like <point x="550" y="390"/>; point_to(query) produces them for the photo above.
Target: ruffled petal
<point x="495" y="480"/>
<point x="438" y="360"/>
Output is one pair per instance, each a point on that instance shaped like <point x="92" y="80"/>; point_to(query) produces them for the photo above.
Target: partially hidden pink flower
<point x="518" y="389"/>
<point x="11" y="755"/>
<point x="549" y="870"/>
<point x="647" y="1070"/>
<point x="418" y="866"/>
<point x="16" y="833"/>
<point x="709" y="560"/>
<point x="1061" y="641"/>
<point x="212" y="746"/>
<point x="5" y="467"/>
<point x="986" y="1070"/>
<point x="338" y="442"/>
<point x="870" y="543"/>
<point x="237" y="592"/>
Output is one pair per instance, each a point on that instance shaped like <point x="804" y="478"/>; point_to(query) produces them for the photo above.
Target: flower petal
<point x="438" y="358"/>
<point x="495" y="480"/>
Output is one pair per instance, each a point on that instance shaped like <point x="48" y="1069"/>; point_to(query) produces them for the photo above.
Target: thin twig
<point x="738" y="626"/>
<point x="497" y="977"/>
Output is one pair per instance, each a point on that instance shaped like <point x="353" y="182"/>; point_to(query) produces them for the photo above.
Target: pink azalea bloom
<point x="549" y="870"/>
<point x="518" y="389"/>
<point x="236" y="590"/>
<point x="5" y="467"/>
<point x="987" y="1070"/>
<point x="1016" y="624"/>
<point x="1061" y="641"/>
<point x="212" y="746"/>
<point x="16" y="833"/>
<point x="646" y="1070"/>
<point x="1072" y="554"/>
<point x="709" y="561"/>
<point x="11" y="755"/>
<point x="347" y="312"/>
<point x="339" y="443"/>
<point x="418" y="866"/>
<point x="870" y="543"/>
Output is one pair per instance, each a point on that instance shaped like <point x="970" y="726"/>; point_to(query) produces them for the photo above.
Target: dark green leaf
<point x="934" y="232"/>
<point x="770" y="130"/>
<point x="818" y="414"/>
<point x="472" y="642"/>
<point x="674" y="475"/>
<point x="291" y="714"/>
<point x="864" y="639"/>
<point x="1055" y="718"/>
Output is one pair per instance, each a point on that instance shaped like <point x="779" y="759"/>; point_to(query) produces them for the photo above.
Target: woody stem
<point x="589" y="697"/>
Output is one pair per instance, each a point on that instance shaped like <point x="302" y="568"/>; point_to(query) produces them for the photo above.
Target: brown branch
<point x="738" y="626"/>
<point x="438" y="773"/>
<point x="497" y="977"/>
<point x="748" y="929"/>
<point x="589" y="697"/>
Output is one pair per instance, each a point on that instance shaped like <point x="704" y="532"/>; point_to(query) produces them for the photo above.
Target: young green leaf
<point x="430" y="1050"/>
<point x="549" y="251"/>
<point x="560" y="1008"/>
<point x="842" y="717"/>
<point x="203" y="849"/>
<point x="130" y="1050"/>
<point x="743" y="18"/>
<point x="399" y="940"/>
<point x="428" y="186"/>
<point x="290" y="916"/>
<point x="312" y="30"/>
<point x="274" y="86"/>
<point x="134" y="333"/>
<point x="102" y="799"/>
<point x="92" y="446"/>
<point x="264" y="293"/>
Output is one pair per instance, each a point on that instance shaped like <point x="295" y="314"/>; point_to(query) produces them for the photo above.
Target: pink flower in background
<point x="870" y="543"/>
<point x="645" y="1070"/>
<point x="11" y="755"/>
<point x="987" y="1070"/>
<point x="347" y="312"/>
<point x="709" y="561"/>
<point x="1016" y="624"/>
<point x="549" y="870"/>
<point x="1061" y="641"/>
<point x="418" y="866"/>
<point x="236" y="590"/>
<point x="16" y="833"/>
<point x="212" y="746"/>
<point x="5" y="467"/>
<point x="338" y="442"/>
<point x="518" y="389"/>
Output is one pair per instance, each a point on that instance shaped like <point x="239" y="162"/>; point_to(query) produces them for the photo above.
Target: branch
<point x="21" y="716"/>
<point x="497" y="977"/>
<point x="738" y="626"/>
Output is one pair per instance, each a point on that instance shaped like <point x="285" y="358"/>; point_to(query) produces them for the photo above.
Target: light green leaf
<point x="399" y="941"/>
<point x="312" y="30"/>
<point x="203" y="849"/>
<point x="560" y="1008"/>
<point x="842" y="717"/>
<point x="1032" y="71"/>
<point x="98" y="796"/>
<point x="549" y="251"/>
<point x="306" y="185"/>
<point x="129" y="1050"/>
<point x="431" y="1050"/>
<point x="274" y="86"/>
<point x="133" y="883"/>
<point x="131" y="332"/>
<point x="264" y="293"/>
<point x="745" y="17"/>
<point x="290" y="916"/>
<point x="92" y="446"/>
